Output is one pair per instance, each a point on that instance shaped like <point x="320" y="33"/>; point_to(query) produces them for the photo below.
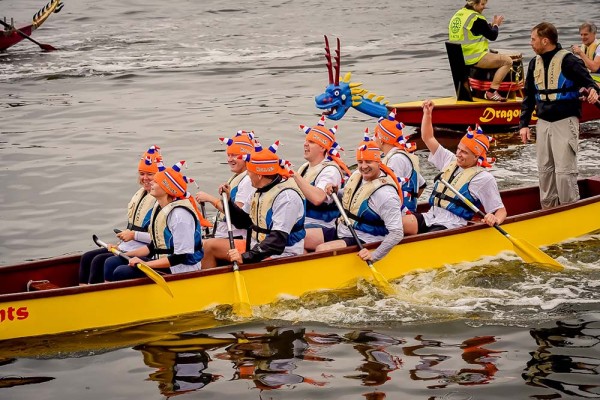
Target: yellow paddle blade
<point x="156" y="277"/>
<point x="243" y="308"/>
<point x="531" y="254"/>
<point x="381" y="282"/>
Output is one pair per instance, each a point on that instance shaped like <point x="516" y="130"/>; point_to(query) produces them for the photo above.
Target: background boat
<point x="180" y="74"/>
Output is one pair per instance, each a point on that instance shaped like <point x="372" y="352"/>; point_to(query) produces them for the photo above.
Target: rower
<point x="175" y="228"/>
<point x="467" y="171"/>
<point x="275" y="216"/>
<point x="372" y="201"/>
<point x="323" y="166"/>
<point x="241" y="191"/>
<point x="399" y="157"/>
<point x="92" y="264"/>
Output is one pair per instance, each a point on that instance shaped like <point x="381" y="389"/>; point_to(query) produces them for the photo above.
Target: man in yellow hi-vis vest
<point x="470" y="29"/>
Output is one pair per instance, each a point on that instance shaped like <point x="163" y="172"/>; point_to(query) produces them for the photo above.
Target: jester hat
<point x="172" y="181"/>
<point x="320" y="135"/>
<point x="478" y="144"/>
<point x="368" y="151"/>
<point x="149" y="160"/>
<point x="266" y="162"/>
<point x="389" y="131"/>
<point x="241" y="143"/>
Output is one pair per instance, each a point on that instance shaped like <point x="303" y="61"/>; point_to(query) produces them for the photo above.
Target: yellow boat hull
<point x="74" y="309"/>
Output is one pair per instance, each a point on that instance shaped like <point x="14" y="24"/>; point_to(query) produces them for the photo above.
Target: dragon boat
<point x="43" y="297"/>
<point x="468" y="107"/>
<point x="10" y="37"/>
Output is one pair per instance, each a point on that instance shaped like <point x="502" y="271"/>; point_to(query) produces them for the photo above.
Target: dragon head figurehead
<point x="341" y="94"/>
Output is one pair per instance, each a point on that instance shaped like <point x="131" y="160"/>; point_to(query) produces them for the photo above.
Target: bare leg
<point x="410" y="224"/>
<point x="335" y="244"/>
<point x="214" y="250"/>
<point x="314" y="237"/>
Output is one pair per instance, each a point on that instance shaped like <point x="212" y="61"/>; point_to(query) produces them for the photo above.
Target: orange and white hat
<point x="389" y="131"/>
<point x="320" y="135"/>
<point x="478" y="144"/>
<point x="172" y="181"/>
<point x="241" y="143"/>
<point x="368" y="151"/>
<point x="265" y="161"/>
<point x="150" y="159"/>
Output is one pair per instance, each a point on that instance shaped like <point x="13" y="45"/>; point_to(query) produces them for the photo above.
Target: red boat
<point x="11" y="36"/>
<point x="455" y="113"/>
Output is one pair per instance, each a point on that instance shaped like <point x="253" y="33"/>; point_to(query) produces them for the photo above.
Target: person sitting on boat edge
<point x="91" y="266"/>
<point x="469" y="28"/>
<point x="373" y="203"/>
<point x="241" y="191"/>
<point x="275" y="216"/>
<point x="175" y="229"/>
<point x="323" y="166"/>
<point x="466" y="171"/>
<point x="399" y="158"/>
<point x="589" y="51"/>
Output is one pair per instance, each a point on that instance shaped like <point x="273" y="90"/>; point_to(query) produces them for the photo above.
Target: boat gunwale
<point x="471" y="227"/>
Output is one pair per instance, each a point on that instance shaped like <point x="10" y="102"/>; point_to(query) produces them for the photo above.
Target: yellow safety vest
<point x="138" y="208"/>
<point x="459" y="31"/>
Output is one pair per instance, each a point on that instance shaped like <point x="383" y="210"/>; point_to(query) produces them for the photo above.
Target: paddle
<point x="242" y="308"/>
<point x="206" y="229"/>
<point x="43" y="46"/>
<point x="528" y="252"/>
<point x="150" y="273"/>
<point x="585" y="92"/>
<point x="380" y="280"/>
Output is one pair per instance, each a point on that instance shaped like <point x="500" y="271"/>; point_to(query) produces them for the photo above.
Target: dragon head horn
<point x="328" y="58"/>
<point x="337" y="63"/>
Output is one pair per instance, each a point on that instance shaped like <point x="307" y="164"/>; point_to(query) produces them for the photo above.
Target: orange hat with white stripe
<point x="389" y="131"/>
<point x="241" y="143"/>
<point x="266" y="162"/>
<point x="149" y="161"/>
<point x="478" y="144"/>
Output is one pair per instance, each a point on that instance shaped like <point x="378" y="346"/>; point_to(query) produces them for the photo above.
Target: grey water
<point x="180" y="74"/>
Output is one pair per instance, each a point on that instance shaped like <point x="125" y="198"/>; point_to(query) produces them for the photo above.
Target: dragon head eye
<point x="336" y="93"/>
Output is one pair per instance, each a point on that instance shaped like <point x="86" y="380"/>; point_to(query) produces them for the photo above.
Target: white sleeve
<point x="288" y="209"/>
<point x="245" y="191"/>
<point x="386" y="203"/>
<point x="484" y="188"/>
<point x="329" y="174"/>
<point x="401" y="165"/>
<point x="182" y="225"/>
<point x="143" y="237"/>
<point x="441" y="158"/>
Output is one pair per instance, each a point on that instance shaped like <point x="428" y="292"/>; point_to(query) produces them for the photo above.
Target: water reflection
<point x="270" y="360"/>
<point x="11" y="381"/>
<point x="181" y="362"/>
<point x="566" y="349"/>
<point x="473" y="353"/>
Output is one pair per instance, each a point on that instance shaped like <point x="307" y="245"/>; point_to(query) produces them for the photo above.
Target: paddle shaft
<point x="26" y="36"/>
<point x="471" y="205"/>
<point x="349" y="225"/>
<point x="113" y="250"/>
<point x="229" y="226"/>
<point x="203" y="209"/>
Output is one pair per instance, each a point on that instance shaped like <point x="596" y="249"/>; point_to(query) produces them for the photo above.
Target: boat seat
<point x="33" y="286"/>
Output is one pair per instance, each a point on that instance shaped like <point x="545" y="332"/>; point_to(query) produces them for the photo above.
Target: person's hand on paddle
<point x="365" y="255"/>
<point x="525" y="134"/>
<point x="491" y="219"/>
<point x="133" y="261"/>
<point x="225" y="188"/>
<point x="235" y="256"/>
<point x="126" y="235"/>
<point x="331" y="189"/>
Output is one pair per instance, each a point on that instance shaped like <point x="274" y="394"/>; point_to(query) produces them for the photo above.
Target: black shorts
<point x="329" y="234"/>
<point x="423" y="228"/>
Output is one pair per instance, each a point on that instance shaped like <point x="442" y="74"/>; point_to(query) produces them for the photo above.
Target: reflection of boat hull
<point x="492" y="116"/>
<point x="72" y="308"/>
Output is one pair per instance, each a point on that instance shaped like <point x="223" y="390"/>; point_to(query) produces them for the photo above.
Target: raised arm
<point x="427" y="127"/>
